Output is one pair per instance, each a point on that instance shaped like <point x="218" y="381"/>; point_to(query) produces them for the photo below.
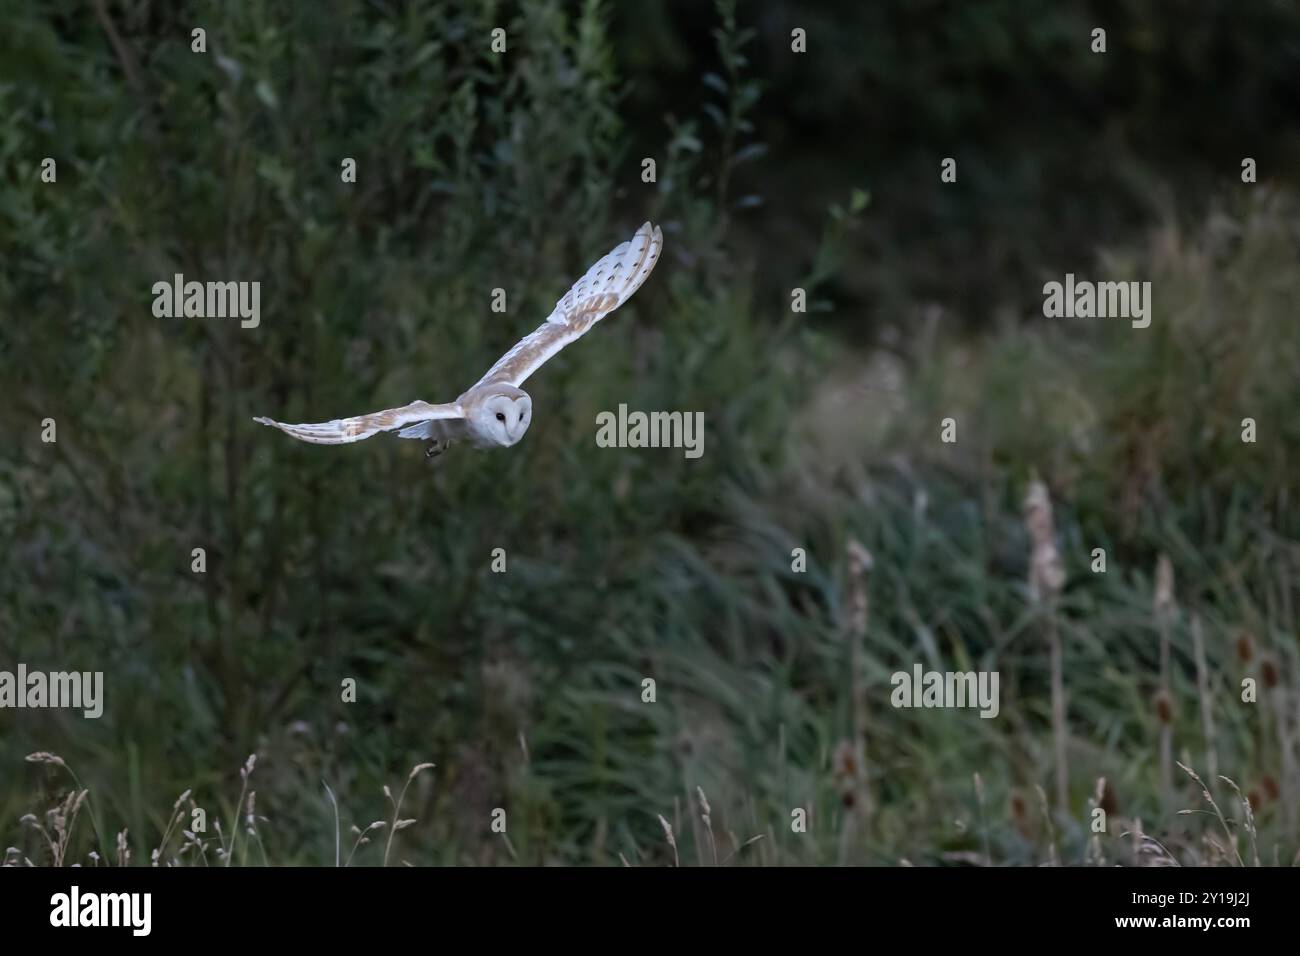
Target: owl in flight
<point x="496" y="411"/>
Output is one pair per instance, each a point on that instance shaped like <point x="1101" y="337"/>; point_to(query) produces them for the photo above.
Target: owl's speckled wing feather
<point x="607" y="285"/>
<point x="343" y="430"/>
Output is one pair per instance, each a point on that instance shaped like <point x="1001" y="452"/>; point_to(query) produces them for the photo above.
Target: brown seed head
<point x="1164" y="707"/>
<point x="1109" y="800"/>
<point x="1271" y="790"/>
<point x="1245" y="647"/>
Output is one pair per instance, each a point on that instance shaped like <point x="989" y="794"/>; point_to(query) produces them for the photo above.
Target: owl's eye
<point x="500" y="417"/>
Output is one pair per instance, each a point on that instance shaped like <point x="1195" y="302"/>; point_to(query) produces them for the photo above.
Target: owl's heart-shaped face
<point x="500" y="418"/>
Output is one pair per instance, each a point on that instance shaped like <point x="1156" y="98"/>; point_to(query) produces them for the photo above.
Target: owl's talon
<point x="433" y="451"/>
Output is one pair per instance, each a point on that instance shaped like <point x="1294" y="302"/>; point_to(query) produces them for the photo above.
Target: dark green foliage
<point x="479" y="171"/>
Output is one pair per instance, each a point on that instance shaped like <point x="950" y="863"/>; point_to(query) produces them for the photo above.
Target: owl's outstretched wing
<point x="607" y="285"/>
<point x="343" y="430"/>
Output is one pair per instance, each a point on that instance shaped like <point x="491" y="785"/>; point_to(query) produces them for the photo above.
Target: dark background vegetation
<point x="775" y="170"/>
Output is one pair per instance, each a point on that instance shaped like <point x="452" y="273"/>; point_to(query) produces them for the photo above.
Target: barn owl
<point x="496" y="412"/>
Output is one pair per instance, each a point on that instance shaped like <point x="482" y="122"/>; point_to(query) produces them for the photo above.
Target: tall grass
<point x="526" y="688"/>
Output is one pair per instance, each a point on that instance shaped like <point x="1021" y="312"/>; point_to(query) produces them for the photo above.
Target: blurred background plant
<point x="775" y="170"/>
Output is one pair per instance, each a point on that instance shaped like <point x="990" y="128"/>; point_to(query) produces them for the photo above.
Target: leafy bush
<point x="478" y="172"/>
